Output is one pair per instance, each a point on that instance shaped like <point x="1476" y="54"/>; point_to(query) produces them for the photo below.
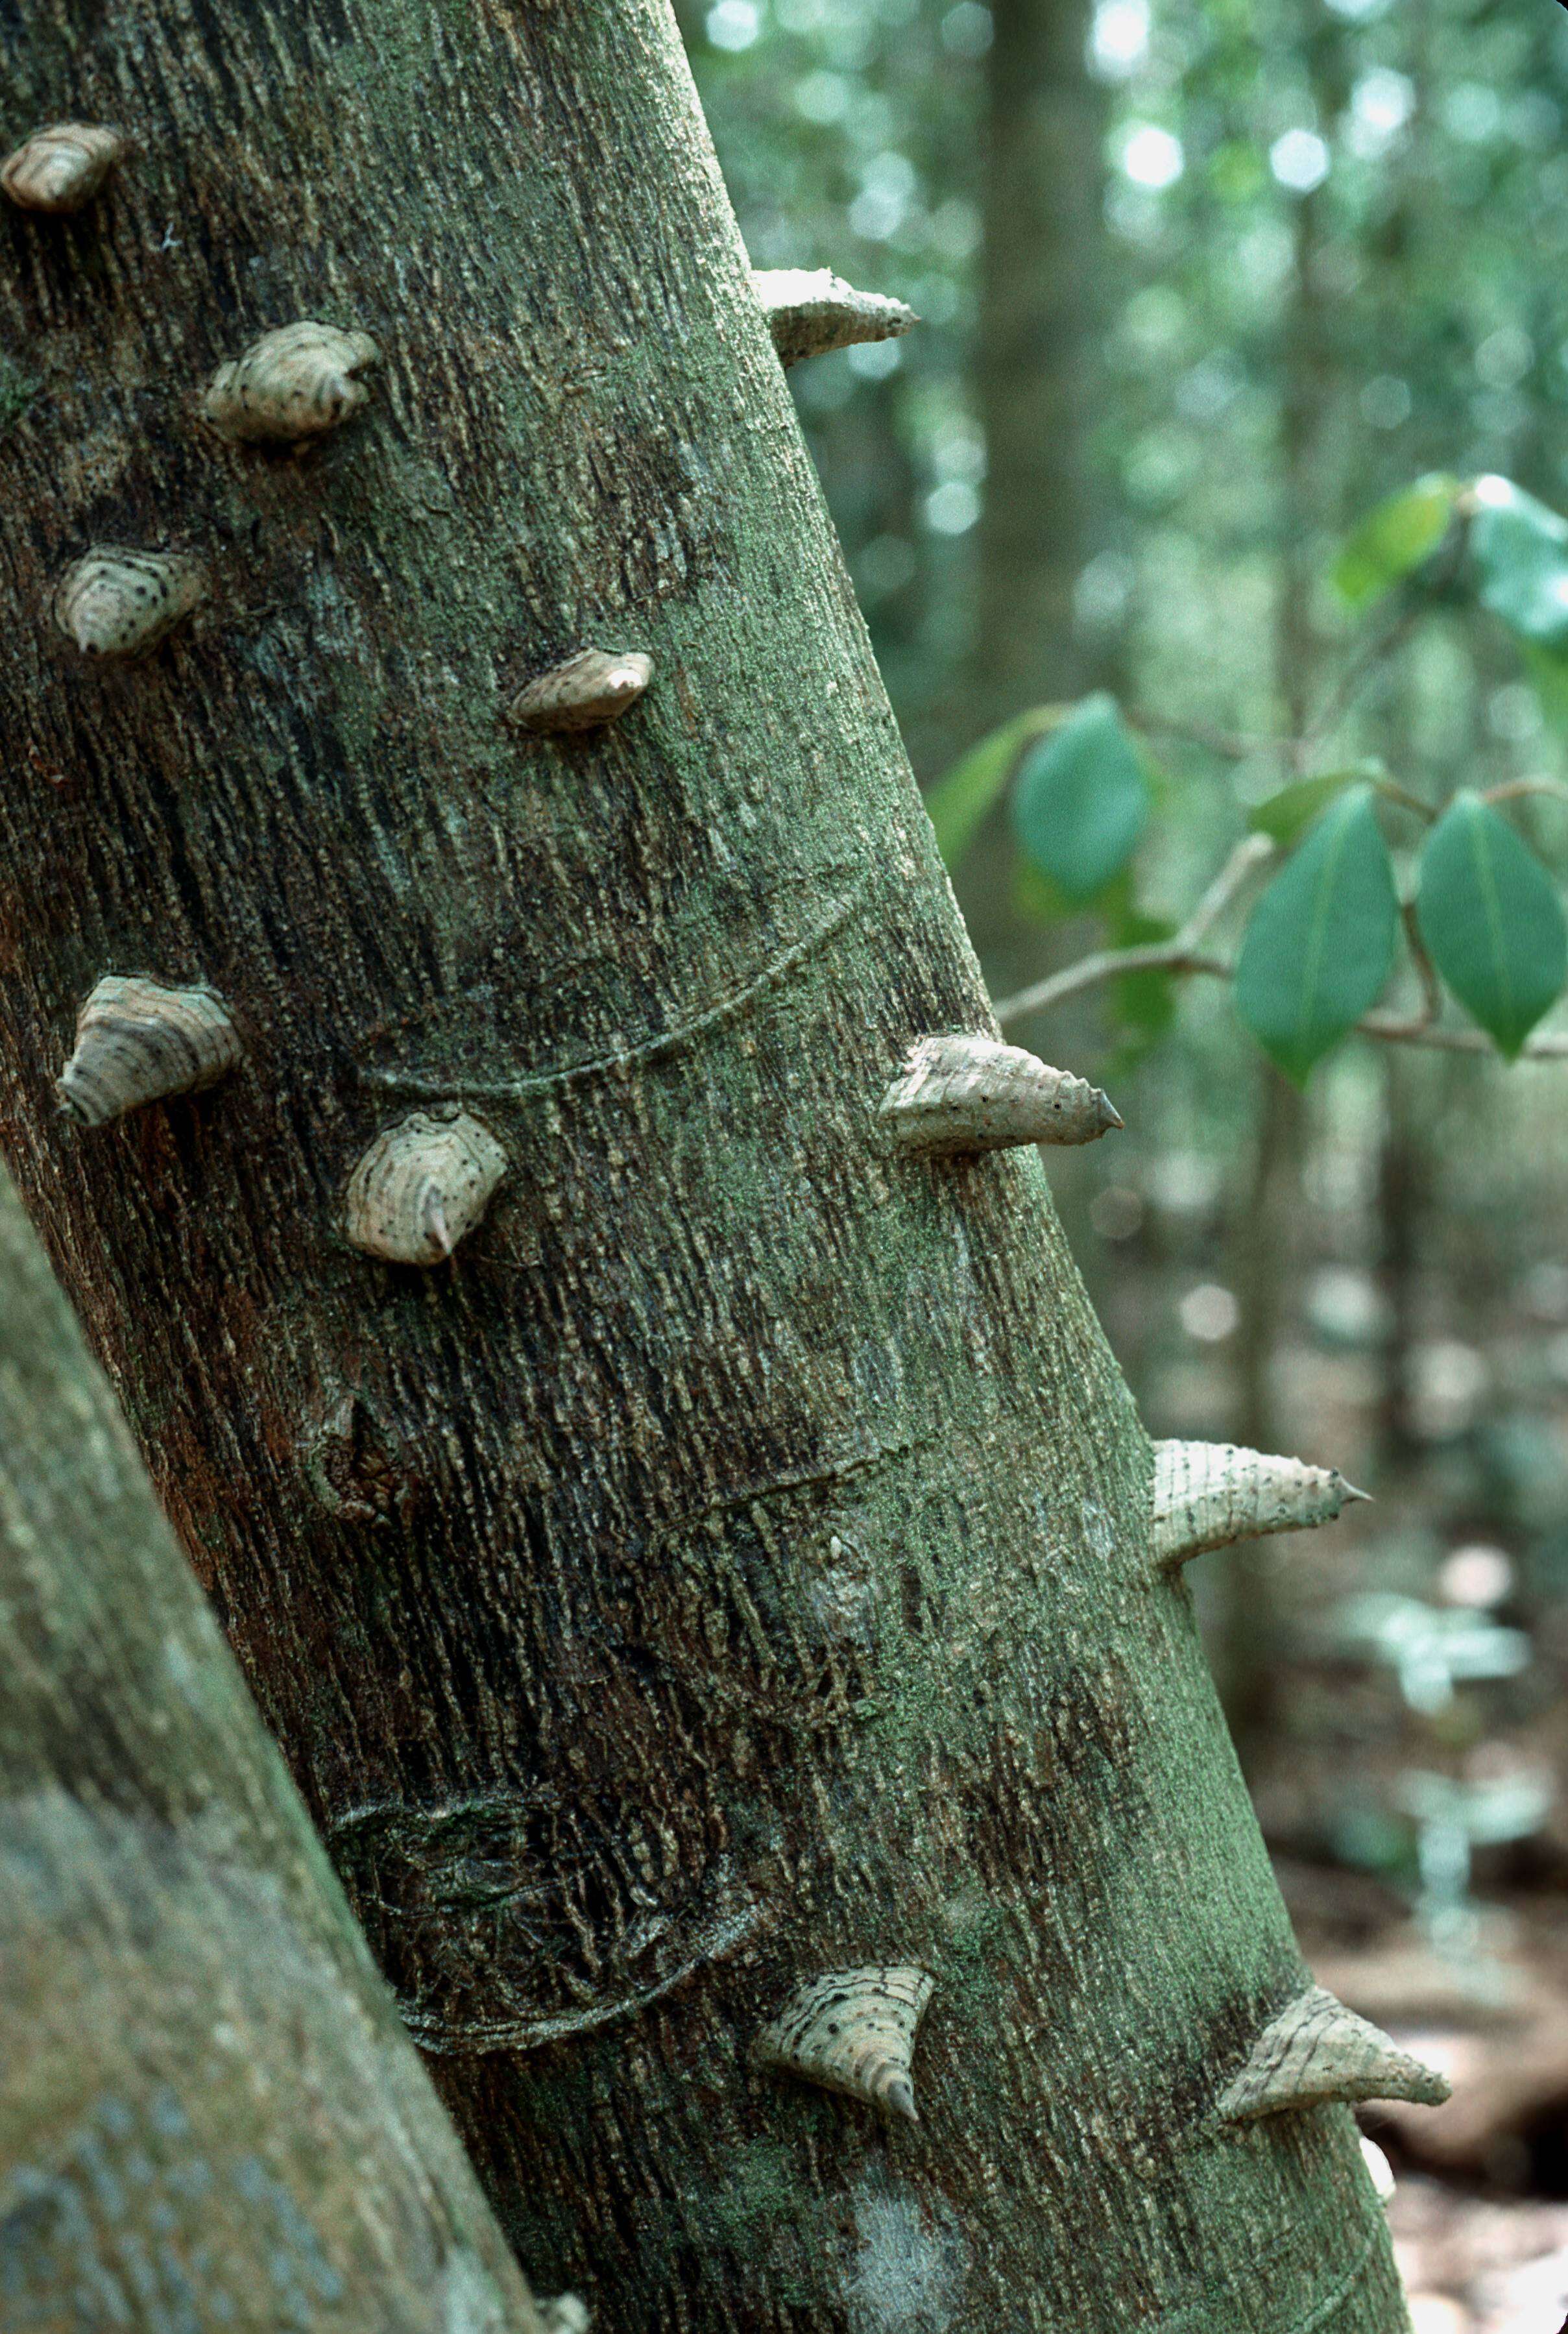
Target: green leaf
<point x="1491" y="921"/>
<point x="1521" y="554"/>
<point x="1143" y="1003"/>
<point x="1322" y="937"/>
<point x="1394" y="538"/>
<point x="1289" y="814"/>
<point x="1041" y="900"/>
<point x="1082" y="800"/>
<point x="960" y="799"/>
<point x="1548" y="671"/>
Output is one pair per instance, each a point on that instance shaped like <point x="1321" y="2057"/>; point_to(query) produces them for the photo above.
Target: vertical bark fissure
<point x="732" y="1567"/>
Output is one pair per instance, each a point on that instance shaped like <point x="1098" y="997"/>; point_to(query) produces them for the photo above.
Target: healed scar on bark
<point x="442" y="1085"/>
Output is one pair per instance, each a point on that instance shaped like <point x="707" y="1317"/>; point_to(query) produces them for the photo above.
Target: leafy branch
<point x="1482" y="919"/>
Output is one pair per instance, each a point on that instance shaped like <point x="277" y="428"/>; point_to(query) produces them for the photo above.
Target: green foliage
<point x="1548" y="671"/>
<point x="1082" y="800"/>
<point x="1143" y="1003"/>
<point x="1491" y="921"/>
<point x="1287" y="815"/>
<point x="960" y="799"/>
<point x="1393" y="540"/>
<point x="1321" y="941"/>
<point x="1520" y="550"/>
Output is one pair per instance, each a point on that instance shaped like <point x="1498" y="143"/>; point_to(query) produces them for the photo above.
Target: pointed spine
<point x="961" y="1095"/>
<point x="61" y="167"/>
<point x="116" y="603"/>
<point x="422" y="1186"/>
<point x="1380" y="2171"/>
<point x="138" y="1041"/>
<point x="1209" y="1494"/>
<point x="811" y="311"/>
<point x="296" y="383"/>
<point x="565" y="2315"/>
<point x="584" y="691"/>
<point x="853" y="2031"/>
<point x="1317" y="2049"/>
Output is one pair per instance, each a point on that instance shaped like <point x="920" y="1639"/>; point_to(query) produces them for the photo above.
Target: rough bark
<point x="208" y="2111"/>
<point x="734" y="1565"/>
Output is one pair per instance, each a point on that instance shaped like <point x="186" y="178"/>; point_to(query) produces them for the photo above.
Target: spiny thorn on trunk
<point x="422" y="1186"/>
<point x="853" y="2031"/>
<point x="1209" y="1494"/>
<point x="1316" y="2049"/>
<point x="811" y="311"/>
<point x="585" y="691"/>
<point x="139" y="1041"/>
<point x="958" y="1096"/>
<point x="297" y="382"/>
<point x="61" y="167"/>
<point x="120" y="603"/>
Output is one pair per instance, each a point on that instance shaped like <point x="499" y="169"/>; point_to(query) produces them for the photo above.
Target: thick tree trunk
<point x="734" y="1565"/>
<point x="209" y="2112"/>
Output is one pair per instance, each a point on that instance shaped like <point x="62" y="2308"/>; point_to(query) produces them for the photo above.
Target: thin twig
<point x="1395" y="1031"/>
<point x="1426" y="971"/>
<point x="1108" y="964"/>
<point x="1234" y="744"/>
<point x="1390" y="1028"/>
<point x="1511" y="789"/>
<point x="1360" y="667"/>
<point x="1178" y="955"/>
<point x="1391" y="791"/>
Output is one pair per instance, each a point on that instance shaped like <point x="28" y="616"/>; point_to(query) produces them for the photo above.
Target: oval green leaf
<point x="1394" y="538"/>
<point x="1491" y="921"/>
<point x="1288" y="814"/>
<point x="1082" y="800"/>
<point x="1548" y="672"/>
<point x="1322" y="937"/>
<point x="1521" y="554"/>
<point x="962" y="795"/>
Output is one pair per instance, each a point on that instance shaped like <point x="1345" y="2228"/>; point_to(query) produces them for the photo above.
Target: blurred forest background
<point x="1203" y="283"/>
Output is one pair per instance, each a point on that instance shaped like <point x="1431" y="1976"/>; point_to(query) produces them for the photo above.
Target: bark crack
<point x="435" y="1084"/>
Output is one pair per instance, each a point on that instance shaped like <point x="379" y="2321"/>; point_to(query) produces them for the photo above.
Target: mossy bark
<point x="733" y="1565"/>
<point x="209" y="2112"/>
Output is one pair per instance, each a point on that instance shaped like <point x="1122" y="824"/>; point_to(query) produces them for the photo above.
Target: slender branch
<point x="1235" y="745"/>
<point x="1426" y="971"/>
<point x="1395" y="1031"/>
<point x="1107" y="964"/>
<point x="1180" y="954"/>
<point x="1511" y="789"/>
<point x="1391" y="791"/>
<point x="1360" y="668"/>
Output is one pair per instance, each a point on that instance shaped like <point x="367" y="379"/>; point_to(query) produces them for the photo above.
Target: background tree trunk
<point x="1036" y="356"/>
<point x="733" y="1567"/>
<point x="208" y="2111"/>
<point x="1036" y="360"/>
<point x="1311" y="496"/>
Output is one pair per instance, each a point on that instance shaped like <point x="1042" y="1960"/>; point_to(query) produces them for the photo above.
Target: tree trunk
<point x="208" y="2111"/>
<point x="1035" y="357"/>
<point x="734" y="1565"/>
<point x="1265" y="1248"/>
<point x="1311" y="491"/>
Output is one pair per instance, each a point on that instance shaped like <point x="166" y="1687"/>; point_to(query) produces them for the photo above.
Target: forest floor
<point x="1479" y="2265"/>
